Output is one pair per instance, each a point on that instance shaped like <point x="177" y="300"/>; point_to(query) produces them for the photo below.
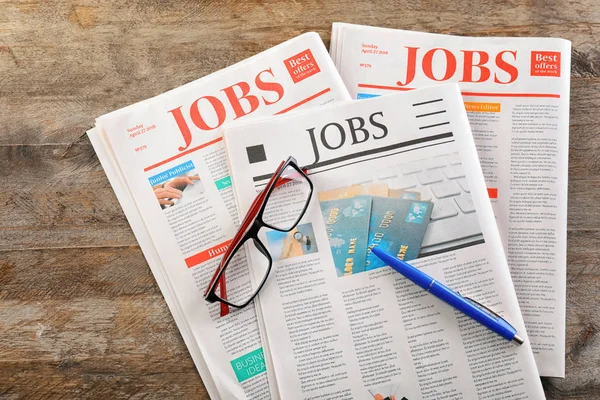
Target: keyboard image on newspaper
<point x="441" y="180"/>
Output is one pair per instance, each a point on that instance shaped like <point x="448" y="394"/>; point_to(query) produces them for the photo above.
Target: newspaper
<point x="339" y="324"/>
<point x="516" y="92"/>
<point x="166" y="161"/>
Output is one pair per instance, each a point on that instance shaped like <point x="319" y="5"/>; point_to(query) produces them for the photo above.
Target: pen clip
<point x="478" y="304"/>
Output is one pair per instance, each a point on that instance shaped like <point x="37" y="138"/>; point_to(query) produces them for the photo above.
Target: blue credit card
<point x="347" y="226"/>
<point x="398" y="227"/>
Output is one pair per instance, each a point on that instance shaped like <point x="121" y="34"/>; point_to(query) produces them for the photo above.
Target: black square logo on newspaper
<point x="256" y="154"/>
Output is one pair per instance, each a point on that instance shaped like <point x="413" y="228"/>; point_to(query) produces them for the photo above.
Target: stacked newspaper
<point x="166" y="162"/>
<point x="478" y="203"/>
<point x="340" y="327"/>
<point x="516" y="93"/>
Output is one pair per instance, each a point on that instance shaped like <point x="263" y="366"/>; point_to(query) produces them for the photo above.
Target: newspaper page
<point x="115" y="177"/>
<point x="340" y="324"/>
<point x="516" y="92"/>
<point x="166" y="161"/>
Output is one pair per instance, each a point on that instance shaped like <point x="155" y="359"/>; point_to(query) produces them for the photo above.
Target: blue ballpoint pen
<point x="478" y="312"/>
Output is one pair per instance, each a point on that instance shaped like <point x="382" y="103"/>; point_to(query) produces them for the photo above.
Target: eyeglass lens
<point x="283" y="210"/>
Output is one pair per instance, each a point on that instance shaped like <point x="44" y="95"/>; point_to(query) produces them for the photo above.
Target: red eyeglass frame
<point x="248" y="229"/>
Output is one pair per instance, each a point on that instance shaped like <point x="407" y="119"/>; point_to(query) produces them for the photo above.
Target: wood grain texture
<point x="80" y="313"/>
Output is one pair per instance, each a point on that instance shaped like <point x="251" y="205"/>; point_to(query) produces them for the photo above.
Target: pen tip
<point x="518" y="340"/>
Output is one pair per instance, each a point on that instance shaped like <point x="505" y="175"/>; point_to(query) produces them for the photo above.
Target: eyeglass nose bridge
<point x="254" y="228"/>
<point x="253" y="235"/>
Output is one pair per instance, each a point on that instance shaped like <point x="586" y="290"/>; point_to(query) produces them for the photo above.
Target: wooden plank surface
<point x="80" y="313"/>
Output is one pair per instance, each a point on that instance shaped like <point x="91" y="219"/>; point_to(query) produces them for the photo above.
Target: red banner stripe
<point x="207" y="254"/>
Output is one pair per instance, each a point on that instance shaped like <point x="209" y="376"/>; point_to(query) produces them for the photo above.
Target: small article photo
<point x="300" y="241"/>
<point x="391" y="391"/>
<point x="411" y="210"/>
<point x="359" y="216"/>
<point x="178" y="189"/>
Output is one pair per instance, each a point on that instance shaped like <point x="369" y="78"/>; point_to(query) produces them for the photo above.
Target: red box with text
<point x="302" y="66"/>
<point x="545" y="63"/>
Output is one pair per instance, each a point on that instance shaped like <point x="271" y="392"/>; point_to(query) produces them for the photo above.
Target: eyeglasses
<point x="279" y="207"/>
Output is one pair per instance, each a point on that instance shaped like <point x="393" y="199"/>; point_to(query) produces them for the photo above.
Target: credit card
<point x="404" y="194"/>
<point x="372" y="189"/>
<point x="347" y="226"/>
<point x="398" y="227"/>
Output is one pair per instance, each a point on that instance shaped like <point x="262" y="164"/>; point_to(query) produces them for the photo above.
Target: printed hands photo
<point x="181" y="182"/>
<point x="165" y="194"/>
<point x="173" y="189"/>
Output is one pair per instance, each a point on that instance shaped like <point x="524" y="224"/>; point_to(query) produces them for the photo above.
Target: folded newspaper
<point x="516" y="92"/>
<point x="397" y="172"/>
<point x="166" y="162"/>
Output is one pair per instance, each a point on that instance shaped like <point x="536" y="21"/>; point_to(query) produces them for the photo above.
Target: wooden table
<point x="80" y="313"/>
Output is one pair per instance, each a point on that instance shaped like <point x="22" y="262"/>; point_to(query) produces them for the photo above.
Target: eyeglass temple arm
<point x="224" y="307"/>
<point x="249" y="215"/>
<point x="222" y="286"/>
